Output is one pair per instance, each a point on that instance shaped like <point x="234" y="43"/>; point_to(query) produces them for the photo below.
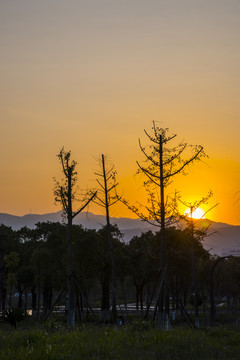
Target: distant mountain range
<point x="222" y="239"/>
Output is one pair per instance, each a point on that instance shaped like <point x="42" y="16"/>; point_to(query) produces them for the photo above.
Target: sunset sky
<point x="91" y="75"/>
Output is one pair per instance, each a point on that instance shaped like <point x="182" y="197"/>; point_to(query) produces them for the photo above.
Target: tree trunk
<point x="34" y="301"/>
<point x="105" y="297"/>
<point x="161" y="310"/>
<point x="125" y="300"/>
<point x="70" y="279"/>
<point x="141" y="299"/>
<point x="105" y="293"/>
<point x="26" y="301"/>
<point x="167" y="312"/>
<point x="38" y="301"/>
<point x="10" y="292"/>
<point x="114" y="284"/>
<point x="20" y="292"/>
<point x="78" y="307"/>
<point x="137" y="301"/>
<point x="3" y="281"/>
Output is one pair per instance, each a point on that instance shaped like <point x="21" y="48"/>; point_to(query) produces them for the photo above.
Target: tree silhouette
<point x="65" y="193"/>
<point x="106" y="197"/>
<point x="162" y="164"/>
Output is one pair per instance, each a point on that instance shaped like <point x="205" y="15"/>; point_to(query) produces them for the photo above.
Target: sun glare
<point x="198" y="213"/>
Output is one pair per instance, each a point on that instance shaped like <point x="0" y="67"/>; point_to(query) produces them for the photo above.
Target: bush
<point x="14" y="315"/>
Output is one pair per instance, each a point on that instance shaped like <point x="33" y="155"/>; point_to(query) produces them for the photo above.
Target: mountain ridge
<point x="222" y="236"/>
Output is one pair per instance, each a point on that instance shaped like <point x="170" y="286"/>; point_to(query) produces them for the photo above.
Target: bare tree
<point x="162" y="164"/>
<point x="106" y="197"/>
<point x="65" y="193"/>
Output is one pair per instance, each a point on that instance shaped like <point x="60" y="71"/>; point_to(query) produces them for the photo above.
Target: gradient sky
<point x="91" y="75"/>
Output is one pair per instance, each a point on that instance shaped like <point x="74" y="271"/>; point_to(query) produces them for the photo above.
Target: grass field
<point x="130" y="342"/>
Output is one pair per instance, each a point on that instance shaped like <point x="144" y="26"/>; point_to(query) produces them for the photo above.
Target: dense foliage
<point x="33" y="270"/>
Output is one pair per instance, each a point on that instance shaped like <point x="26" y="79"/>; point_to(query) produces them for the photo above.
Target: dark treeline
<point x="33" y="270"/>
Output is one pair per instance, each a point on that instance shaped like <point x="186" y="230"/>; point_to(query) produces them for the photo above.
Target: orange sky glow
<point x="92" y="75"/>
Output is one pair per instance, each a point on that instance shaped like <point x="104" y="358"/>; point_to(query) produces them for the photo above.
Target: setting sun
<point x="198" y="213"/>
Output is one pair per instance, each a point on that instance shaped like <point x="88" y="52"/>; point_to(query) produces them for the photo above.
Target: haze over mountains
<point x="222" y="237"/>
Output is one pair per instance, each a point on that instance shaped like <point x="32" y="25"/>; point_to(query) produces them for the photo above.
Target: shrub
<point x="14" y="315"/>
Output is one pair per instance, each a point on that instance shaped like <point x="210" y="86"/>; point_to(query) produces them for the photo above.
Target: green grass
<point x="53" y="342"/>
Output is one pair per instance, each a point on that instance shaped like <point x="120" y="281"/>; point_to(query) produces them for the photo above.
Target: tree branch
<point x="85" y="205"/>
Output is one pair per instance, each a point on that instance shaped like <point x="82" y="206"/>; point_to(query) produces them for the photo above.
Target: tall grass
<point x="126" y="342"/>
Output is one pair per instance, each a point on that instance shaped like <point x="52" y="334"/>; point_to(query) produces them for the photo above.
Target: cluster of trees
<point x="34" y="262"/>
<point x="169" y="263"/>
<point x="33" y="265"/>
<point x="163" y="162"/>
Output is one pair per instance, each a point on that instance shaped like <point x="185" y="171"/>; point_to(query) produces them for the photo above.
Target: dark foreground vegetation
<point x="33" y="278"/>
<point x="33" y="274"/>
<point x="134" y="341"/>
<point x="73" y="293"/>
